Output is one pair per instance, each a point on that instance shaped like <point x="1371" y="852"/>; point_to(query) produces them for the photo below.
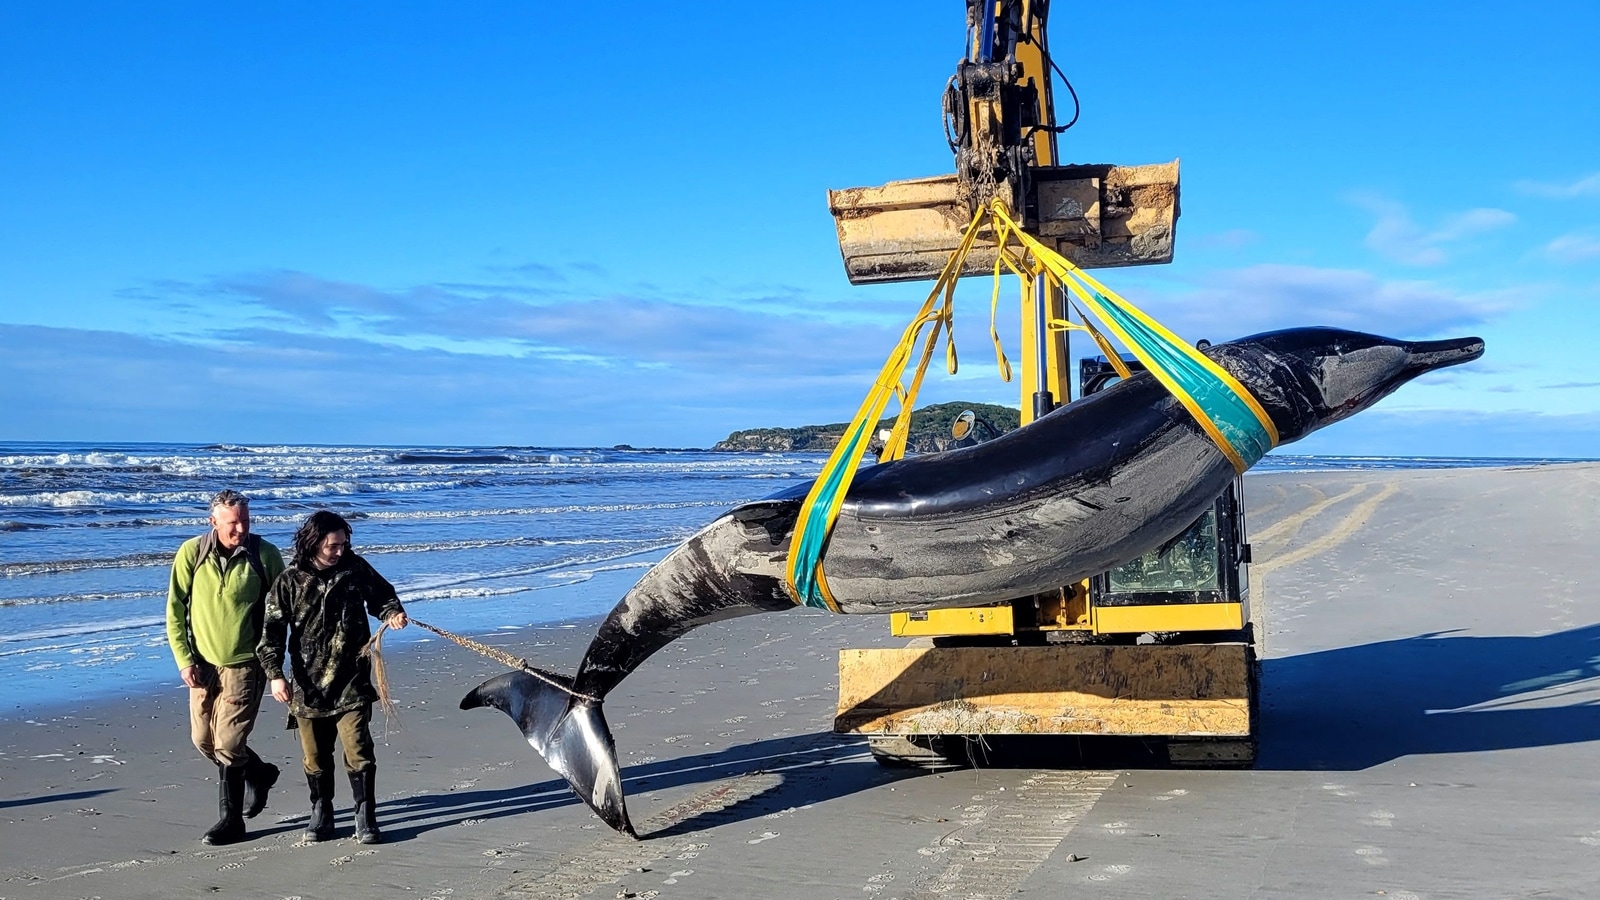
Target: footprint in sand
<point x="1107" y="873"/>
<point x="341" y="860"/>
<point x="1173" y="794"/>
<point x="877" y="883"/>
<point x="681" y="873"/>
<point x="1372" y="856"/>
<point x="1381" y="818"/>
<point x="765" y="836"/>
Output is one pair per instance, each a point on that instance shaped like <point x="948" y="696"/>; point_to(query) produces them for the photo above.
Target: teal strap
<point x="1227" y="411"/>
<point x="815" y="516"/>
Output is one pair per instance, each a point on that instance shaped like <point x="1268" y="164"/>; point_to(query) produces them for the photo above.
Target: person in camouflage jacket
<point x="318" y="610"/>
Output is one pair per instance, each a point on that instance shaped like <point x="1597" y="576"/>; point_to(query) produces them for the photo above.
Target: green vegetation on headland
<point x="930" y="430"/>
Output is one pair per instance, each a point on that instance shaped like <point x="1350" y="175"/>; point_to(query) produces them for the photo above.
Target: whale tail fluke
<point x="569" y="732"/>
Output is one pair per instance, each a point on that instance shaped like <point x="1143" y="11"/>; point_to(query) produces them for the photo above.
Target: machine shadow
<point x="812" y="767"/>
<point x="1356" y="707"/>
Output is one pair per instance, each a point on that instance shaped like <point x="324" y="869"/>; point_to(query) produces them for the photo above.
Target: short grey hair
<point x="229" y="498"/>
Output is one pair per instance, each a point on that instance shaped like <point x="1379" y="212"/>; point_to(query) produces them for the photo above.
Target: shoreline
<point x="45" y="678"/>
<point x="1427" y="731"/>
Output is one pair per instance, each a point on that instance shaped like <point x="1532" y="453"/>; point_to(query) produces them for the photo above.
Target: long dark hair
<point x="308" y="540"/>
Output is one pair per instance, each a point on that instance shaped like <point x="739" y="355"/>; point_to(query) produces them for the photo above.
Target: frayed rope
<point x="380" y="680"/>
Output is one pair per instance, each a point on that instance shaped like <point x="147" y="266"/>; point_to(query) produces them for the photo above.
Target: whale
<point x="1091" y="485"/>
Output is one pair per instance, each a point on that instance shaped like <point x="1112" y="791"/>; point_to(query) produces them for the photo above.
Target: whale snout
<point x="1425" y="356"/>
<point x="1343" y="372"/>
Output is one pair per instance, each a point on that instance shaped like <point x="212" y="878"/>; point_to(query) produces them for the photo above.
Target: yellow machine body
<point x="1074" y="667"/>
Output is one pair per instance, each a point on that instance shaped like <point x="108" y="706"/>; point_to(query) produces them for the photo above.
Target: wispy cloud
<point x="1231" y="303"/>
<point x="756" y="332"/>
<point x="1397" y="236"/>
<point x="1587" y="186"/>
<point x="1468" y="433"/>
<point x="326" y="388"/>
<point x="1573" y="248"/>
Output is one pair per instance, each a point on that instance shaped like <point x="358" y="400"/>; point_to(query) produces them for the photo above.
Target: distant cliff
<point x="930" y="430"/>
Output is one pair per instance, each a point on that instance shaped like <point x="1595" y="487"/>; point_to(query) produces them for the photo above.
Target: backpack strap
<point x="252" y="555"/>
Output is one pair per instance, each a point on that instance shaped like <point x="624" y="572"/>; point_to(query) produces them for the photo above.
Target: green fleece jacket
<point x="214" y="605"/>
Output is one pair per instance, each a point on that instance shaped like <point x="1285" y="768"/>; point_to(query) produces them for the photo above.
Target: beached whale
<point x="1088" y="487"/>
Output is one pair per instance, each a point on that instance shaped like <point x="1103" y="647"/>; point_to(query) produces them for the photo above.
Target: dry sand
<point x="1429" y="730"/>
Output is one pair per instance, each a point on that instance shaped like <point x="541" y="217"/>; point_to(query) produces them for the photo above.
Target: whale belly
<point x="1053" y="534"/>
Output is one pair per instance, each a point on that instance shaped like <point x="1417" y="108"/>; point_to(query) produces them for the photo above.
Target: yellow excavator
<point x="1161" y="648"/>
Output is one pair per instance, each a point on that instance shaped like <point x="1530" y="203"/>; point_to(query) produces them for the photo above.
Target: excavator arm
<point x="999" y="120"/>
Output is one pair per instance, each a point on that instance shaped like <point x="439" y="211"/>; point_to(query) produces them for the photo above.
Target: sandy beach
<point x="1429" y="730"/>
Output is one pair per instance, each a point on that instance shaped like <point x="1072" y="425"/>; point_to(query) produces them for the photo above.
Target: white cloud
<point x="1422" y="432"/>
<point x="1587" y="186"/>
<point x="1573" y="248"/>
<point x="1230" y="303"/>
<point x="1396" y="236"/>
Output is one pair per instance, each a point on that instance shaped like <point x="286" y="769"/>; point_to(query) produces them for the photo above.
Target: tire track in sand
<point x="1346" y="527"/>
<point x="1004" y="836"/>
<point x="616" y="856"/>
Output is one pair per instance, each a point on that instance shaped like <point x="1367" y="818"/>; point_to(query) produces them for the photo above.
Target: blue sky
<point x="507" y="223"/>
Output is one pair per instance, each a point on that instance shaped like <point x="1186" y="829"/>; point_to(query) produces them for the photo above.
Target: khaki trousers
<point x="223" y="710"/>
<point x="354" y="731"/>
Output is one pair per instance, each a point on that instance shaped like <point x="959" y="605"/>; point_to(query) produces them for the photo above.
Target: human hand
<point x="190" y="675"/>
<point x="280" y="690"/>
<point x="397" y="620"/>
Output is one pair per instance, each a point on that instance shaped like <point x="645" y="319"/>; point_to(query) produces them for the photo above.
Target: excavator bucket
<point x="1098" y="216"/>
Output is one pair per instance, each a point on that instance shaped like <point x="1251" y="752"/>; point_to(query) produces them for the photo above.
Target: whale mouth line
<point x="1426" y="356"/>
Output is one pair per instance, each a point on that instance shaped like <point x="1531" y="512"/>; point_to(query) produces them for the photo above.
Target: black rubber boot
<point x="366" y="818"/>
<point x="259" y="777"/>
<point x="230" y="802"/>
<point x="320" y="826"/>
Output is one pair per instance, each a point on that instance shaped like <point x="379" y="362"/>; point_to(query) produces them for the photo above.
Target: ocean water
<point x="475" y="539"/>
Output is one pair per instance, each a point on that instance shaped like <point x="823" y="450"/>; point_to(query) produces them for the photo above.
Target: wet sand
<point x="1429" y="730"/>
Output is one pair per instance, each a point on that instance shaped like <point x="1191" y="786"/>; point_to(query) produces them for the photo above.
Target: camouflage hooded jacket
<point x="321" y="616"/>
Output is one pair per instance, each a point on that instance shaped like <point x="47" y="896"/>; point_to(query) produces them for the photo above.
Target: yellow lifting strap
<point x="1222" y="406"/>
<point x="1228" y="413"/>
<point x="804" y="575"/>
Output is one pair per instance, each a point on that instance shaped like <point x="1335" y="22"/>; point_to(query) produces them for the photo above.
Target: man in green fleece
<point x="214" y="616"/>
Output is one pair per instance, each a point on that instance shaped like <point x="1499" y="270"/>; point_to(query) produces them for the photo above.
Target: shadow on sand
<point x="1356" y="707"/>
<point x="1344" y="709"/>
<point x="53" y="798"/>
<point x="808" y="768"/>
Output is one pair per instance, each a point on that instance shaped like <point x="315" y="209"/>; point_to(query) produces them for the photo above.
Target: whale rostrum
<point x="1082" y="490"/>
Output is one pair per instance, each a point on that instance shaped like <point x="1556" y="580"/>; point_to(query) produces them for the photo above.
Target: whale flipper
<point x="569" y="732"/>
